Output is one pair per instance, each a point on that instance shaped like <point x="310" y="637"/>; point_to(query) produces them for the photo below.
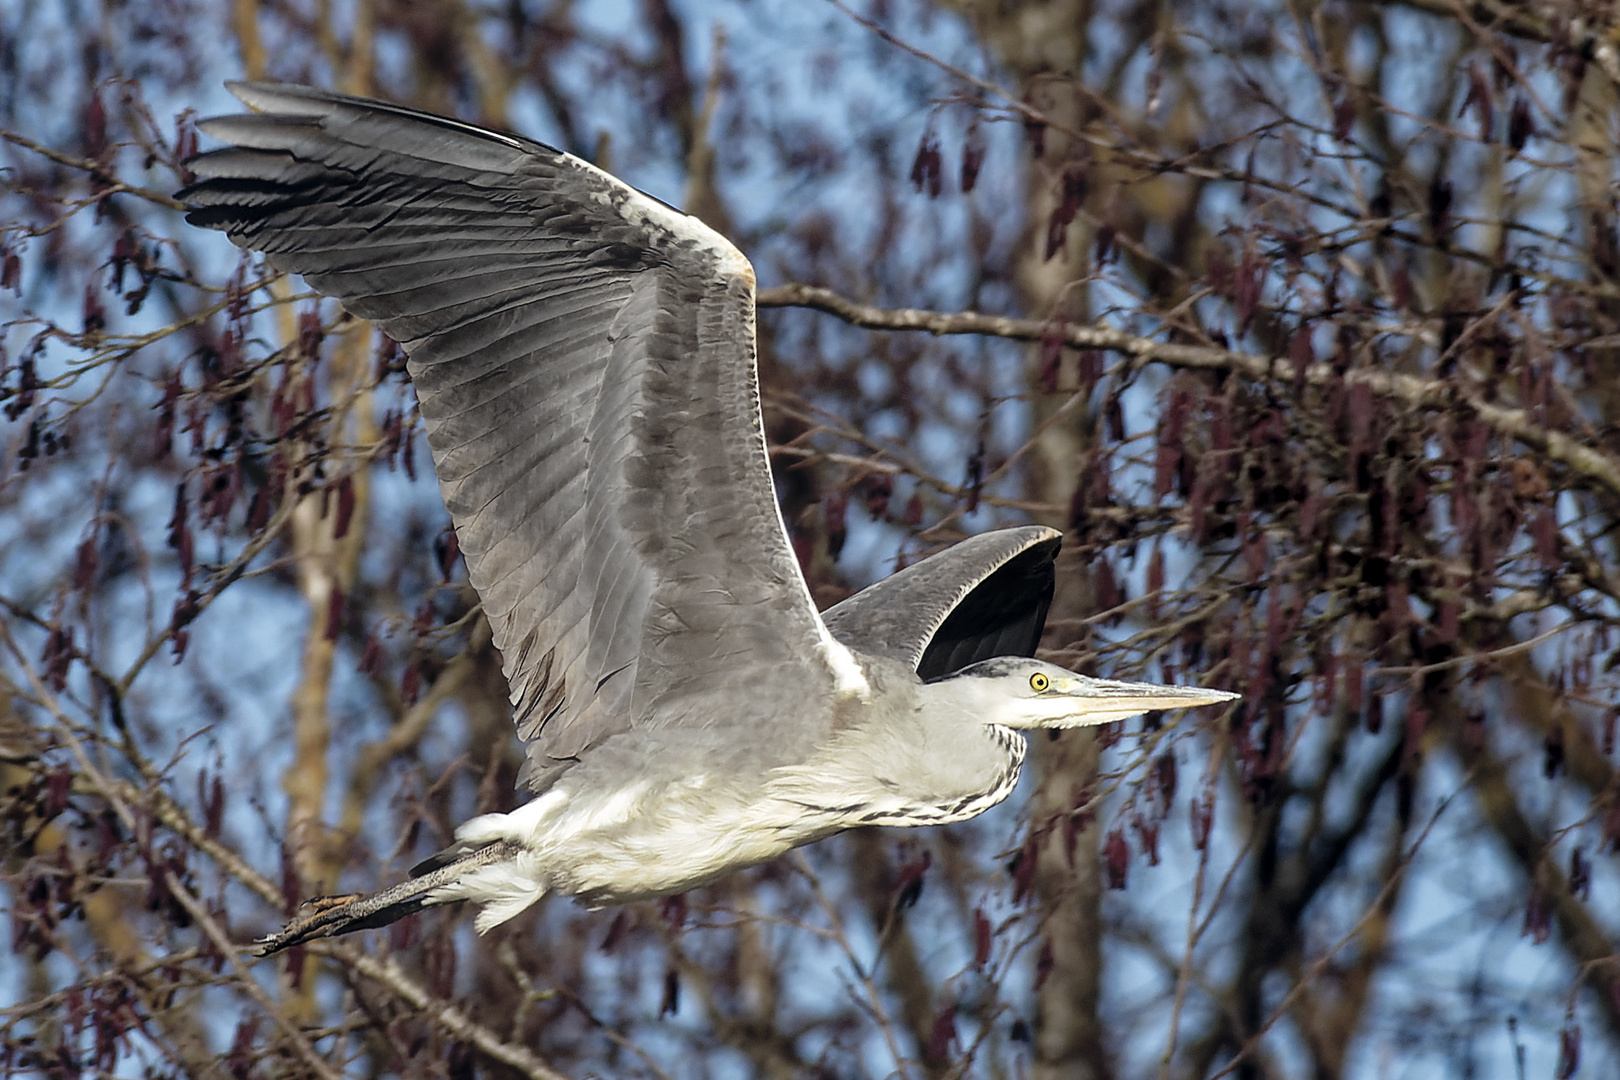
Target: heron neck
<point x="971" y="703"/>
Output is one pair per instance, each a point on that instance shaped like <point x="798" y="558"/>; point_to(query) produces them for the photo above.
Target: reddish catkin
<point x="1117" y="859"/>
<point x="1072" y="189"/>
<point x="982" y="938"/>
<point x="928" y="166"/>
<point x="973" y="151"/>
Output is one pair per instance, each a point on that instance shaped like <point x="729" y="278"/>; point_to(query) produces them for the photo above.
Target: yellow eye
<point x="1038" y="682"/>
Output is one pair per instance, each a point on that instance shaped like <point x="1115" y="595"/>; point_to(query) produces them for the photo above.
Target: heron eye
<point x="1038" y="682"/>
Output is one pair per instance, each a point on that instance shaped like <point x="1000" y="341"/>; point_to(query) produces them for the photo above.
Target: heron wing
<point x="584" y="362"/>
<point x="986" y="596"/>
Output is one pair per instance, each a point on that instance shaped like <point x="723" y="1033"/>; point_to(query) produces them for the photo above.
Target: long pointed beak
<point x="1102" y="701"/>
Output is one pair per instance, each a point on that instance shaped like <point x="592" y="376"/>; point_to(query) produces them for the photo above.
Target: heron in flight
<point x="583" y="356"/>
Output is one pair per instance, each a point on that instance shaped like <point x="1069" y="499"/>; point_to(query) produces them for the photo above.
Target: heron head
<point x="1018" y="692"/>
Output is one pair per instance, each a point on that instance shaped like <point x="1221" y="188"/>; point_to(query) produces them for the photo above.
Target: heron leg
<point x="329" y="916"/>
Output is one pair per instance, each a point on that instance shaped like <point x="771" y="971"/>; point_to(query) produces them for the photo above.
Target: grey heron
<point x="583" y="357"/>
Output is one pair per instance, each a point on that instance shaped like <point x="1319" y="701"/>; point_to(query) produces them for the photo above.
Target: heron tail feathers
<point x="329" y="916"/>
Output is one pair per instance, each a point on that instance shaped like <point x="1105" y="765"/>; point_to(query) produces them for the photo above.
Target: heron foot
<point x="326" y="903"/>
<point x="324" y="916"/>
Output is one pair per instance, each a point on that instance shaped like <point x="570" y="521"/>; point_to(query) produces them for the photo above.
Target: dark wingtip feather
<point x="288" y="97"/>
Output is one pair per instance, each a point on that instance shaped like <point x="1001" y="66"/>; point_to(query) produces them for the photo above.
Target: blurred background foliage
<point x="1300" y="319"/>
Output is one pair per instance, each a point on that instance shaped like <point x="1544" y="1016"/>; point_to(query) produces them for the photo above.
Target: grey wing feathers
<point x="986" y="596"/>
<point x="584" y="360"/>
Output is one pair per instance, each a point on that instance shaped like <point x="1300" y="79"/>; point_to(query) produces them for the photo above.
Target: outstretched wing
<point x="584" y="360"/>
<point x="984" y="597"/>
